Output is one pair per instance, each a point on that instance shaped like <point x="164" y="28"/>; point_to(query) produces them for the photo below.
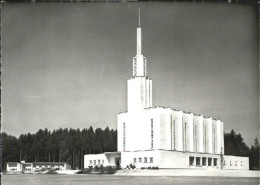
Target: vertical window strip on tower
<point x="174" y="134"/>
<point x="195" y="138"/>
<point x="184" y="137"/>
<point x="151" y="133"/>
<point x="205" y="143"/>
<point x="123" y="136"/>
<point x="214" y="141"/>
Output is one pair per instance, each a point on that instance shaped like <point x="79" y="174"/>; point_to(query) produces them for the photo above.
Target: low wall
<point x="235" y="162"/>
<point x="189" y="172"/>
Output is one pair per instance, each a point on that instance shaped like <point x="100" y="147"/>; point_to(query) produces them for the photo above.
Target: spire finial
<point x="139" y="17"/>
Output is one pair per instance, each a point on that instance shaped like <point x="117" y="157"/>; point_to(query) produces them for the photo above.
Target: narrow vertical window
<point x="151" y="133"/>
<point x="205" y="140"/>
<point x="185" y="136"/>
<point x="214" y="141"/>
<point x="195" y="138"/>
<point x="174" y="137"/>
<point x="123" y="136"/>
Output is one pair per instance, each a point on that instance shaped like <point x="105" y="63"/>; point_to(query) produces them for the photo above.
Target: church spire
<point x="139" y="87"/>
<point x="139" y="61"/>
<point x="139" y="37"/>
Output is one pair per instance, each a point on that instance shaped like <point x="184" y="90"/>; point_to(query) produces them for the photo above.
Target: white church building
<point x="163" y="137"/>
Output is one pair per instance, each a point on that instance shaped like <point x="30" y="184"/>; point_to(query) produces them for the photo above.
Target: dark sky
<point x="66" y="65"/>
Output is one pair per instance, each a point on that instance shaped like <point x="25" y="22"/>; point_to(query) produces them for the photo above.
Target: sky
<point x="66" y="65"/>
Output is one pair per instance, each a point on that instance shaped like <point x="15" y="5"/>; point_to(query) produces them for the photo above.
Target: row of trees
<point x="70" y="145"/>
<point x="234" y="145"/>
<point x="62" y="145"/>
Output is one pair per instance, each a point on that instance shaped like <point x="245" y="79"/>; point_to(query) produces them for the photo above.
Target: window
<point x="204" y="160"/>
<point x="197" y="161"/>
<point x="134" y="160"/>
<point x="124" y="136"/>
<point x="235" y="163"/>
<point x="241" y="163"/>
<point x="102" y="161"/>
<point x="230" y="163"/>
<point x="214" y="141"/>
<point x="215" y="161"/>
<point x="209" y="161"/>
<point x="173" y="134"/>
<point x="205" y="140"/>
<point x="98" y="161"/>
<point x="151" y="133"/>
<point x="94" y="161"/>
<point x="151" y="160"/>
<point x="90" y="161"/>
<point x="140" y="160"/>
<point x="191" y="161"/>
<point x="184" y="137"/>
<point x="195" y="138"/>
<point x="145" y="159"/>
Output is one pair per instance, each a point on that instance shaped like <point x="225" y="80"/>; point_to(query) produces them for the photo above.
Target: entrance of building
<point x="118" y="162"/>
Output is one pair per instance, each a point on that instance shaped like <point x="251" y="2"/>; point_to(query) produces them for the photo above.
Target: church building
<point x="163" y="137"/>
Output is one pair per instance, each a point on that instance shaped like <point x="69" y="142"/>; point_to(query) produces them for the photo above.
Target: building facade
<point x="28" y="167"/>
<point x="164" y="137"/>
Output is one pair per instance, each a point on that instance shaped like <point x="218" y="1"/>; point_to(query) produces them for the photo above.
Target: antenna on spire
<point x="139" y="17"/>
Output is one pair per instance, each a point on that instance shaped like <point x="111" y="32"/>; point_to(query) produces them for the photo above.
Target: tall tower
<point x="139" y="87"/>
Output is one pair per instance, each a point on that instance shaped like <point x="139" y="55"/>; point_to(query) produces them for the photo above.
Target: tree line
<point x="62" y="145"/>
<point x="70" y="145"/>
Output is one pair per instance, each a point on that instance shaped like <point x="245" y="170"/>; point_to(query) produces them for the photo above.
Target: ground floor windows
<point x="215" y="161"/>
<point x="198" y="161"/>
<point x="151" y="160"/>
<point x="204" y="161"/>
<point x="191" y="161"/>
<point x="209" y="161"/>
<point x="145" y="159"/>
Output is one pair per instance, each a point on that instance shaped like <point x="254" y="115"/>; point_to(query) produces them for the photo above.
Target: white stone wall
<point x="127" y="158"/>
<point x="207" y="124"/>
<point x="139" y="93"/>
<point x="198" y="133"/>
<point x="217" y="136"/>
<point x="138" y="130"/>
<point x="235" y="163"/>
<point x="177" y="118"/>
<point x="188" y="133"/>
<point x="165" y="128"/>
<point x="169" y="131"/>
<point x="176" y="159"/>
<point x="95" y="157"/>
